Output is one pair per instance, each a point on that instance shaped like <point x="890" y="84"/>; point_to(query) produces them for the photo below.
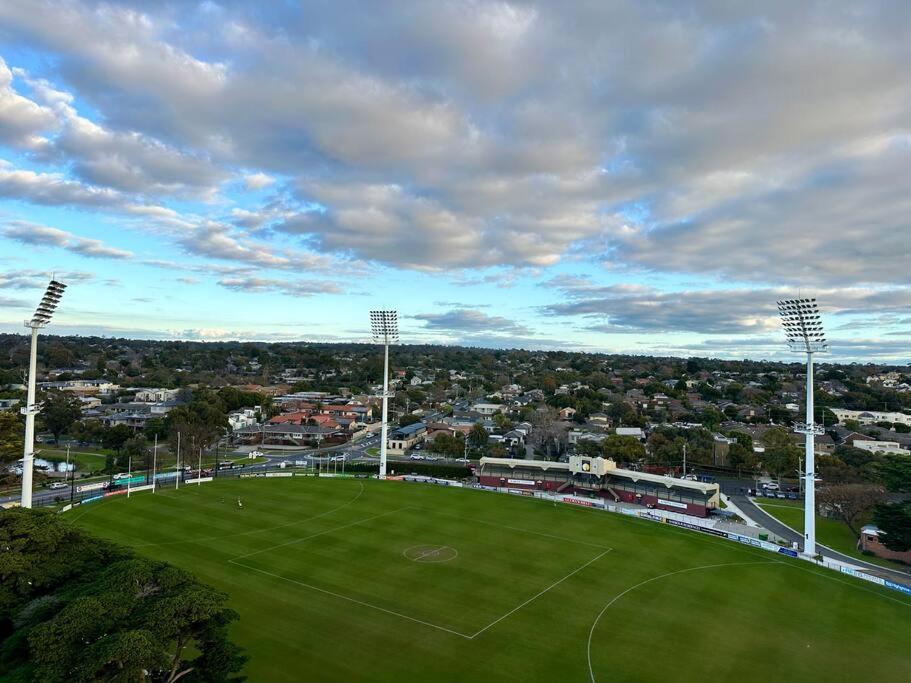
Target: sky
<point x="611" y="176"/>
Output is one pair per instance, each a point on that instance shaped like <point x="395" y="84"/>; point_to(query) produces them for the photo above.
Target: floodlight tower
<point x="42" y="318"/>
<point x="803" y="329"/>
<point x="385" y="327"/>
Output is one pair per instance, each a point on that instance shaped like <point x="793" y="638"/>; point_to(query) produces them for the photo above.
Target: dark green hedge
<point x="422" y="468"/>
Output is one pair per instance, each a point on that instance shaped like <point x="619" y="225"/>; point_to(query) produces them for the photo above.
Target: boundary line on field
<point x="235" y="561"/>
<point x="535" y="597"/>
<point x="594" y="625"/>
<point x="353" y="600"/>
<point x="848" y="583"/>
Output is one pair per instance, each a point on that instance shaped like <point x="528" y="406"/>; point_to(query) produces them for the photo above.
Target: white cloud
<point x="765" y="148"/>
<point x="21" y="120"/>
<point x="44" y="236"/>
<point x="467" y="320"/>
<point x="258" y="181"/>
<point x="289" y="287"/>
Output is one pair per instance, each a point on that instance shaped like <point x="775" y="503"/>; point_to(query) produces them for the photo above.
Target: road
<point x="766" y="520"/>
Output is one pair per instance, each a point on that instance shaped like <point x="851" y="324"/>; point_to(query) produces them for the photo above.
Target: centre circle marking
<point x="430" y="554"/>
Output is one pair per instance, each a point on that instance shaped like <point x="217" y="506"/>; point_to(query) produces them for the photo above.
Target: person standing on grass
<point x="239" y="504"/>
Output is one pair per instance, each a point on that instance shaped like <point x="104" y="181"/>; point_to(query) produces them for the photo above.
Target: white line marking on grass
<point x="591" y="631"/>
<point x="319" y="533"/>
<point x="354" y="600"/>
<point x="515" y="528"/>
<point x="535" y="597"/>
<point x="257" y="531"/>
<point x="432" y="551"/>
<point x="825" y="575"/>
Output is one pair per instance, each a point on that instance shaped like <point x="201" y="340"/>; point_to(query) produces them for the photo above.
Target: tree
<point x="781" y="453"/>
<point x="407" y="419"/>
<point x="59" y="412"/>
<point x="449" y="445"/>
<point x="665" y="446"/>
<point x="895" y="522"/>
<point x="115" y="437"/>
<point x="478" y="437"/>
<point x="202" y="421"/>
<point x="503" y="422"/>
<point x="894" y="471"/>
<point x="851" y="502"/>
<point x="835" y="470"/>
<point x="79" y="608"/>
<point x="11" y="437"/>
<point x="741" y="457"/>
<point x="547" y="433"/>
<point x="623" y="448"/>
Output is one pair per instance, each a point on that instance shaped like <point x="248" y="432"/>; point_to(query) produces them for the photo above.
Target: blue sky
<point x="612" y="176"/>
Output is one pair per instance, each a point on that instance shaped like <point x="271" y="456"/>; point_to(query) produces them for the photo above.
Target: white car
<point x="255" y="454"/>
<point x="58" y="485"/>
<point x="771" y="486"/>
<point x="416" y="457"/>
<point x="122" y="475"/>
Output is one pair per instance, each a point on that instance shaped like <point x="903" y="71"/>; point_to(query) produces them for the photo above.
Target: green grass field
<point x="85" y="461"/>
<point x="832" y="533"/>
<point x="351" y="579"/>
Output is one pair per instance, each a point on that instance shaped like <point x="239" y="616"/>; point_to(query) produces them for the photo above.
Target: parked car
<point x="771" y="486"/>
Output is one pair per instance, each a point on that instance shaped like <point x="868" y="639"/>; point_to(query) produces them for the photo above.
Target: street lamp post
<point x="42" y="318"/>
<point x="803" y="329"/>
<point x="385" y="328"/>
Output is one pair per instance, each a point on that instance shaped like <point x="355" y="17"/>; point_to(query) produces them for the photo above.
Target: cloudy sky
<point x="596" y="175"/>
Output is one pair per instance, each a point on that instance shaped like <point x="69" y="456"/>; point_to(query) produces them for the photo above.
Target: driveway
<point x="763" y="518"/>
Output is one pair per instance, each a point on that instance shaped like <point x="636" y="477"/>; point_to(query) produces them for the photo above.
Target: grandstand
<point x="601" y="477"/>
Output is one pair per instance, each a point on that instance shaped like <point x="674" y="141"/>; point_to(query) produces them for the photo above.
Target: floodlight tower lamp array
<point x="804" y="332"/>
<point x="385" y="328"/>
<point x="42" y="318"/>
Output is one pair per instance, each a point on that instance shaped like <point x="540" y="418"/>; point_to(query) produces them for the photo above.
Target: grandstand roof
<point x="543" y="465"/>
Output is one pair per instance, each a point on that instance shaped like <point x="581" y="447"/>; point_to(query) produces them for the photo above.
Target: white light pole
<point x="385" y="328"/>
<point x="177" y="478"/>
<point x="42" y="317"/>
<point x="803" y="329"/>
<point x="154" y="462"/>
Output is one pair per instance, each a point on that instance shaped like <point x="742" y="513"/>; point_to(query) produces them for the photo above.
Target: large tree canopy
<point x="59" y="411"/>
<point x="78" y="608"/>
<point x="895" y="523"/>
<point x="11" y="437"/>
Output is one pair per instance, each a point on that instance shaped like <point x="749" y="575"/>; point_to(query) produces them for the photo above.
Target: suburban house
<point x="155" y="395"/>
<point x="403" y="439"/>
<point x="870" y="540"/>
<point x="868" y="417"/>
<point x="630" y="431"/>
<point x="487" y="408"/>
<point x="567" y="413"/>
<point x="881" y="447"/>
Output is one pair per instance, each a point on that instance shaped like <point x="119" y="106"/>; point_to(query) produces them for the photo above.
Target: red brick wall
<point x="874" y="545"/>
